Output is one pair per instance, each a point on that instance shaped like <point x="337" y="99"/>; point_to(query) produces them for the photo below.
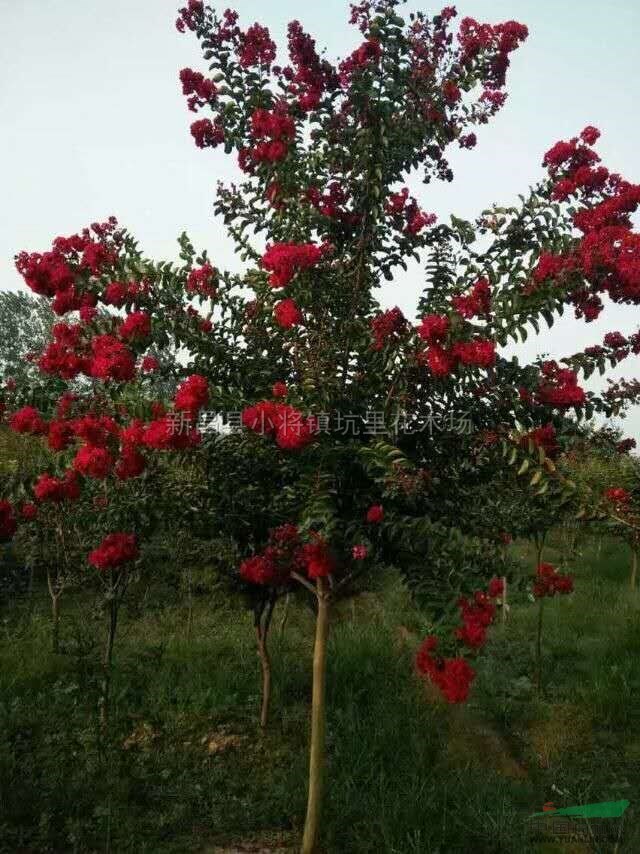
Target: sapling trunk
<point x="318" y="722"/>
<point x="634" y="568"/>
<point x="539" y="648"/>
<point x="55" y="592"/>
<point x="107" y="658"/>
<point x="285" y="613"/>
<point x="262" y="634"/>
<point x="505" y="607"/>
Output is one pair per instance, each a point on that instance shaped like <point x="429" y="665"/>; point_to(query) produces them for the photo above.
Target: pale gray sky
<point x="94" y="123"/>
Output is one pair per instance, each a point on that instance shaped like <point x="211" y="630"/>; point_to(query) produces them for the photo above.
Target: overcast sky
<point x="94" y="123"/>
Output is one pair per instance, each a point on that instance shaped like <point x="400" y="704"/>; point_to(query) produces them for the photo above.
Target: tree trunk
<point x="539" y="649"/>
<point x="318" y="719"/>
<point x="505" y="607"/>
<point x="106" y="662"/>
<point x="634" y="568"/>
<point x="285" y="613"/>
<point x="262" y="634"/>
<point x="54" y="592"/>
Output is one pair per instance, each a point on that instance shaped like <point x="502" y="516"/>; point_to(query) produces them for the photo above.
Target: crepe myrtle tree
<point x="602" y="464"/>
<point x="323" y="149"/>
<point x="318" y="372"/>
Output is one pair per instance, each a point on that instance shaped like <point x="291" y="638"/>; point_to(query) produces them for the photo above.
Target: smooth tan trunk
<point x="265" y="663"/>
<point x="318" y="717"/>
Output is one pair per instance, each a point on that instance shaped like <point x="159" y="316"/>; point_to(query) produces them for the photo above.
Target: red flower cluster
<point x="207" y="134"/>
<point x="618" y="496"/>
<point x="192" y="394"/>
<point x="375" y="514"/>
<point x="29" y="421"/>
<point x="274" y="130"/>
<point x="135" y="326"/>
<point x="559" y="387"/>
<point x="202" y="281"/>
<point x="284" y="260"/>
<point x="256" y="47"/>
<point x="434" y="328"/>
<point x="387" y="328"/>
<point x="479" y="353"/>
<point x="366" y="55"/>
<point x="286" y="553"/>
<point x="48" y="488"/>
<point x="190" y="17"/>
<point x="607" y="258"/>
<point x="292" y="431"/>
<point x="53" y="273"/>
<point x="8" y="523"/>
<point x="201" y="90"/>
<point x="497" y="41"/>
<point x="453" y="676"/>
<point x="477" y="614"/>
<point x="549" y="581"/>
<point x="545" y="438"/>
<point x="475" y="304"/>
<point x="401" y="206"/>
<point x="309" y="77"/>
<point x="161" y="435"/>
<point x="111" y="360"/>
<point x="114" y="551"/>
<point x="93" y="461"/>
<point x="287" y="314"/>
<point x="279" y="389"/>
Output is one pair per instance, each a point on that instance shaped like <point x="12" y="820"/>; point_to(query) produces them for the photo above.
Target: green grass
<point x="185" y="767"/>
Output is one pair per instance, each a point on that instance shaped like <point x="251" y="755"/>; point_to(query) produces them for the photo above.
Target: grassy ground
<point x="185" y="767"/>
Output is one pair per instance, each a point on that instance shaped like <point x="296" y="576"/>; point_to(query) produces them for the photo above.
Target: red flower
<point x="375" y="514"/>
<point x="60" y="435"/>
<point x="111" y="360"/>
<point x="136" y="325"/>
<point x="161" y="435"/>
<point x="316" y="558"/>
<point x="114" y="551"/>
<point x="261" y="418"/>
<point x="192" y="394"/>
<point x="496" y="587"/>
<point x="472" y="634"/>
<point x="279" y="389"/>
<point x="387" y="327"/>
<point x="359" y="552"/>
<point x="202" y="281"/>
<point x="548" y="581"/>
<point x="259" y="570"/>
<point x="294" y="432"/>
<point x="256" y="47"/>
<point x="206" y="134"/>
<point x="287" y="314"/>
<point x="95" y="429"/>
<point x="439" y="361"/>
<point x="149" y="364"/>
<point x="131" y="463"/>
<point x="28" y="420"/>
<point x="29" y="511"/>
<point x="618" y="495"/>
<point x="434" y="328"/>
<point x="93" y="461"/>
<point x="284" y="260"/>
<point x="8" y="523"/>
<point x="49" y="488"/>
<point x="115" y="294"/>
